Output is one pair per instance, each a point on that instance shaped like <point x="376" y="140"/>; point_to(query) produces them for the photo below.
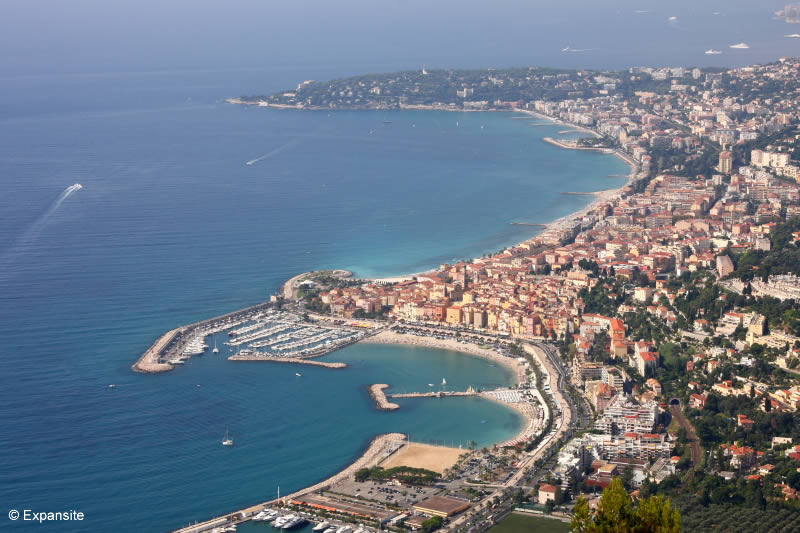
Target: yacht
<point x="283" y="520"/>
<point x="298" y="374"/>
<point x="713" y="52"/>
<point x="330" y="530"/>
<point x="227" y="441"/>
<point x="294" y="522"/>
<point x="215" y="350"/>
<point x="322" y="526"/>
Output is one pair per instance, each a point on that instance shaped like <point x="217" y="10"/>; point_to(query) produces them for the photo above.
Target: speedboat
<point x="322" y="526"/>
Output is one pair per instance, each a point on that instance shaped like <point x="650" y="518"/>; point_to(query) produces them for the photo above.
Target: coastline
<point x="526" y="414"/>
<point x="378" y="449"/>
<point x="526" y="411"/>
<point x="392" y="337"/>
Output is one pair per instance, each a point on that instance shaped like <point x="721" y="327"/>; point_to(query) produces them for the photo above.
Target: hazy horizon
<point x="95" y="36"/>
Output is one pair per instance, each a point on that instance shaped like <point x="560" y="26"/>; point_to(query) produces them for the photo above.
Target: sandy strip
<point x="376" y="391"/>
<point x="526" y="411"/>
<point x="375" y="453"/>
<point x="392" y="337"/>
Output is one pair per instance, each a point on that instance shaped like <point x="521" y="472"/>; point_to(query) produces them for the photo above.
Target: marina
<point x="257" y="333"/>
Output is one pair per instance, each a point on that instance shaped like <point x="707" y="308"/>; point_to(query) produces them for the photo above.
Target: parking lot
<point x="386" y="493"/>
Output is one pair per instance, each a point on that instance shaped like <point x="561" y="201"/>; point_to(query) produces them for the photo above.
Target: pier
<point x="436" y="394"/>
<point x="294" y="360"/>
<point x="533" y="224"/>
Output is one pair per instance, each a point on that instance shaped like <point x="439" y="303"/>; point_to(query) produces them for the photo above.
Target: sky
<point x="101" y="35"/>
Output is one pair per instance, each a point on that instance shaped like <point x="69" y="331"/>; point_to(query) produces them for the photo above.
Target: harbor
<point x="257" y="333"/>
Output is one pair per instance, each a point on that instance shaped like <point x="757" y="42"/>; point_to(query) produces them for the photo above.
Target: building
<point x="547" y="493"/>
<point x="724" y="265"/>
<point x="725" y="162"/>
<point x="441" y="506"/>
<point x="623" y="415"/>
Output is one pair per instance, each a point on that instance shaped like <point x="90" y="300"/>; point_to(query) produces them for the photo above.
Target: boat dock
<point x="436" y="394"/>
<point x="171" y="345"/>
<point x="257" y="333"/>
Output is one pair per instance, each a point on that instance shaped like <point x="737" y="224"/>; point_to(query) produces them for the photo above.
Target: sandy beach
<point x="392" y="337"/>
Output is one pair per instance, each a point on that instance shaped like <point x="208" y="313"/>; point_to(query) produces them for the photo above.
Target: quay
<point x="171" y="344"/>
<point x="258" y="333"/>
<point x="376" y="391"/>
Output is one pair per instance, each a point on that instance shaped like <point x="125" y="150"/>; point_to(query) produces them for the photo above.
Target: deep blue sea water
<point x="172" y="226"/>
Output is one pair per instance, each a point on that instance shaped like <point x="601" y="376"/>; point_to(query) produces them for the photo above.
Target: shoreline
<point x="380" y="443"/>
<point x="373" y="455"/>
<point x="471" y="349"/>
<point x="392" y="337"/>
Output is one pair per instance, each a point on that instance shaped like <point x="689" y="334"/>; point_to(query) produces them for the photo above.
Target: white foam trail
<point x="25" y="240"/>
<point x="64" y="195"/>
<point x="276" y="151"/>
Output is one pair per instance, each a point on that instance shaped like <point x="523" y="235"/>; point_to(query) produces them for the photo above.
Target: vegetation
<point x="404" y="474"/>
<point x="616" y="513"/>
<point x="432" y="524"/>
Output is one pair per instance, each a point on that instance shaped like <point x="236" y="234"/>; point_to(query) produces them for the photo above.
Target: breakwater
<point x="378" y="394"/>
<point x="170" y="347"/>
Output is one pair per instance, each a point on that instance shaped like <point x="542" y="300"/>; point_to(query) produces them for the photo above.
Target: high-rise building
<point x="725" y="162"/>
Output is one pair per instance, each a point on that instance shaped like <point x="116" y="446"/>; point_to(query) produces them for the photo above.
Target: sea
<point x="172" y="225"/>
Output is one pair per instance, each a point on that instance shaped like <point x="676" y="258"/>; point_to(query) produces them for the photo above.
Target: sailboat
<point x="215" y="350"/>
<point x="444" y="381"/>
<point x="227" y="441"/>
<point x="298" y="374"/>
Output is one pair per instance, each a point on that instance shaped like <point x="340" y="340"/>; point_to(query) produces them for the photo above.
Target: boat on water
<point x="322" y="526"/>
<point x="444" y="381"/>
<point x="215" y="350"/>
<point x="298" y="374"/>
<point x="227" y="441"/>
<point x="297" y="521"/>
<point x="330" y="530"/>
<point x="713" y="52"/>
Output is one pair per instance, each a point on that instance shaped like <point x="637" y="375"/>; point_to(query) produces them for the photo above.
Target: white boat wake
<point x="30" y="235"/>
<point x="276" y="151"/>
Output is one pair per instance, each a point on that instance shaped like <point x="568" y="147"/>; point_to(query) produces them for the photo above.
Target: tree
<point x="432" y="524"/>
<point x="616" y="513"/>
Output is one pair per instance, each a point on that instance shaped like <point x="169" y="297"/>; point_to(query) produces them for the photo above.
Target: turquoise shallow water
<point x="172" y="226"/>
